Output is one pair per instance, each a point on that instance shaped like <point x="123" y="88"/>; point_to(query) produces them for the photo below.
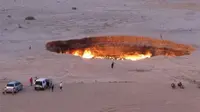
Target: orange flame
<point x="137" y="56"/>
<point x="76" y="53"/>
<point x="88" y="54"/>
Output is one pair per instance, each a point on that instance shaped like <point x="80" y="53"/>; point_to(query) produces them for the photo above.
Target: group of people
<point x="180" y="85"/>
<point x="60" y="86"/>
<point x="32" y="81"/>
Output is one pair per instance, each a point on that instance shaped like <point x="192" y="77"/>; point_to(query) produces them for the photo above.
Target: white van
<point x="41" y="84"/>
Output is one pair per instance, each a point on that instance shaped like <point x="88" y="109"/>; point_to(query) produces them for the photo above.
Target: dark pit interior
<point x="118" y="47"/>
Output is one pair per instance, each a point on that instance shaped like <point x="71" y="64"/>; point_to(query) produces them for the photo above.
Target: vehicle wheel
<point x="17" y="90"/>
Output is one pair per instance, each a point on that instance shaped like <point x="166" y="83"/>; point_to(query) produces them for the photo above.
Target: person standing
<point x="161" y="37"/>
<point x="36" y="78"/>
<point x="31" y="81"/>
<point x="112" y="65"/>
<point x="52" y="87"/>
<point x="61" y="86"/>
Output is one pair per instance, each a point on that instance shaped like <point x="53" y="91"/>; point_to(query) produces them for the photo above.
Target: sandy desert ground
<point x="90" y="85"/>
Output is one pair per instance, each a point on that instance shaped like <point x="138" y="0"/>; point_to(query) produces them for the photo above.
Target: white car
<point x="13" y="87"/>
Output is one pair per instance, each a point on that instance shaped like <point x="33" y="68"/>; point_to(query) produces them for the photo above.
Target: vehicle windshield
<point x="38" y="83"/>
<point x="10" y="85"/>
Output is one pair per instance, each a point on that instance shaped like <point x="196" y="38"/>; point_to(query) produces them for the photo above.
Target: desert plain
<point x="90" y="85"/>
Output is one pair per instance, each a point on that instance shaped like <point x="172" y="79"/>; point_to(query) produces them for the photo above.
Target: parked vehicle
<point x="13" y="87"/>
<point x="43" y="83"/>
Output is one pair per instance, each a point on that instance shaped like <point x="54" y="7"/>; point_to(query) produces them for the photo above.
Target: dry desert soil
<point x="91" y="85"/>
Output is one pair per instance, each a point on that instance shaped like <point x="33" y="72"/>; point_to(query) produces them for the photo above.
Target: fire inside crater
<point x="119" y="47"/>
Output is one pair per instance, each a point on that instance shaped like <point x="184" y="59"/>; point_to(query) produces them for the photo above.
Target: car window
<point x="10" y="85"/>
<point x="38" y="83"/>
<point x="16" y="84"/>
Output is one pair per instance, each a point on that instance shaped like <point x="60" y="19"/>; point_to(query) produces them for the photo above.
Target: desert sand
<point x="91" y="85"/>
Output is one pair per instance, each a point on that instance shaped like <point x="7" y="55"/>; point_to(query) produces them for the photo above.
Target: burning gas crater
<point x="89" y="53"/>
<point x="119" y="47"/>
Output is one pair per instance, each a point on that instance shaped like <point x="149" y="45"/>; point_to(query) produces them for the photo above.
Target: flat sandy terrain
<point x="91" y="85"/>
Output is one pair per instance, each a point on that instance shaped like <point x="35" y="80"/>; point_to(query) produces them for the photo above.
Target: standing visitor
<point x="112" y="65"/>
<point x="31" y="81"/>
<point x="35" y="79"/>
<point x="52" y="87"/>
<point x="61" y="86"/>
<point x="161" y="37"/>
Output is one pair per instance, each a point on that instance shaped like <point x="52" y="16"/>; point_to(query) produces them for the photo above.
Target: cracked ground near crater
<point x="91" y="85"/>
